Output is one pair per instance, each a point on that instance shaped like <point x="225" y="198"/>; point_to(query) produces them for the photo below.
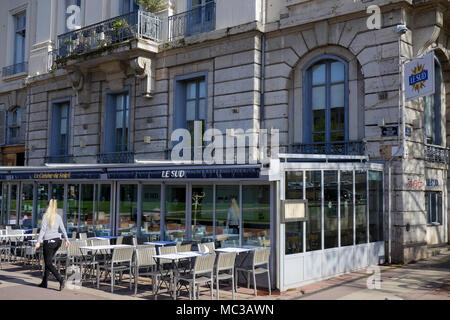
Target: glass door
<point x="127" y="209"/>
<point x="102" y="223"/>
<point x="87" y="208"/>
<point x="26" y="221"/>
<point x="4" y="204"/>
<point x="72" y="213"/>
<point x="13" y="204"/>
<point x="151" y="212"/>
<point x="202" y="213"/>
<point x="42" y="202"/>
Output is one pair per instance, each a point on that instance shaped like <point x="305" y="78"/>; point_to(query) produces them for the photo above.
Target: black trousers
<point x="50" y="248"/>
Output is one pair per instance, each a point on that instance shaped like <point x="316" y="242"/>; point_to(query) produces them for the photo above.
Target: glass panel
<point x="151" y="212"/>
<point x="191" y="90"/>
<point x="202" y="109"/>
<point x="3" y="198"/>
<point x="87" y="208"/>
<point x="294" y="185"/>
<point x="361" y="206"/>
<point x="318" y="98"/>
<point x="13" y="205"/>
<point x="42" y="202"/>
<point x="190" y="110"/>
<point x="318" y="137"/>
<point x="202" y="213"/>
<point x="227" y="216"/>
<point x="439" y="208"/>
<point x="331" y="209"/>
<point x="175" y="220"/>
<point x="318" y="120"/>
<point x="27" y="206"/>
<point x="337" y="118"/>
<point x="73" y="196"/>
<point x="293" y="237"/>
<point x="256" y="215"/>
<point x="337" y="136"/>
<point x="433" y="205"/>
<point x="375" y="206"/>
<point x="337" y="72"/>
<point x="346" y="208"/>
<point x="314" y="223"/>
<point x="202" y="89"/>
<point x="128" y="209"/>
<point x="337" y="95"/>
<point x="318" y="74"/>
<point x="103" y="208"/>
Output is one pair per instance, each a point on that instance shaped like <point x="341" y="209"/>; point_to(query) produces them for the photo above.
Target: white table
<point x="17" y="235"/>
<point x="233" y="250"/>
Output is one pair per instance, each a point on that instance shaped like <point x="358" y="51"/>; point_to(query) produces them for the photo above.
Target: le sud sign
<point x="235" y="147"/>
<point x="419" y="77"/>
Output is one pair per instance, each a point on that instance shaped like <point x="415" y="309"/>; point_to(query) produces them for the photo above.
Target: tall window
<point x="60" y="129"/>
<point x="20" y="22"/>
<point x="433" y="205"/>
<point x="433" y="111"/>
<point x="117" y="123"/>
<point x="325" y="110"/>
<point x="201" y="17"/>
<point x="14" y="121"/>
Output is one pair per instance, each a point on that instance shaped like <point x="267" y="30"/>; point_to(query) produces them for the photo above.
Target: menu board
<point x="294" y="210"/>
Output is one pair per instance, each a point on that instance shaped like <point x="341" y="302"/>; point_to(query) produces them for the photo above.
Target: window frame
<point x="439" y="210"/>
<point x="110" y="122"/>
<point x="55" y="136"/>
<point x="22" y="31"/>
<point x="436" y="138"/>
<point x="307" y="99"/>
<point x="131" y="4"/>
<point x="17" y="111"/>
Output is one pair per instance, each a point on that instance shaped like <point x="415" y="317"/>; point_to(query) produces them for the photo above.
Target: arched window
<point x="325" y="101"/>
<point x="433" y="110"/>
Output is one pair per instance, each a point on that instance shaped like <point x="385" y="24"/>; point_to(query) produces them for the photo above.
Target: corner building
<point x="86" y="117"/>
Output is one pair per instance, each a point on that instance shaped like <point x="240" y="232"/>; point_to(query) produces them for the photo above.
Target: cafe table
<point x="174" y="258"/>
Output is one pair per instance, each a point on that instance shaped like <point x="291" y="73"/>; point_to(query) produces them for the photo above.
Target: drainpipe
<point x="262" y="81"/>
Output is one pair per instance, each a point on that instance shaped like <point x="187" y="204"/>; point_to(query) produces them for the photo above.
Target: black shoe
<point x="62" y="284"/>
<point x="42" y="285"/>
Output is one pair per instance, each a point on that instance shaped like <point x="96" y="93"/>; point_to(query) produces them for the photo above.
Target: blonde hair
<point x="235" y="206"/>
<point x="51" y="212"/>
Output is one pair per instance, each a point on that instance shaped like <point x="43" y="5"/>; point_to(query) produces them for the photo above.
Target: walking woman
<point x="51" y="223"/>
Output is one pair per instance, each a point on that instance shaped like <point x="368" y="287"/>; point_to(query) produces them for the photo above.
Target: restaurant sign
<point x="228" y="173"/>
<point x="419" y="77"/>
<point x="65" y="175"/>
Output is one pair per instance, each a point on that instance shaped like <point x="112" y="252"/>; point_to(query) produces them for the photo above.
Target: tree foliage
<point x="152" y="5"/>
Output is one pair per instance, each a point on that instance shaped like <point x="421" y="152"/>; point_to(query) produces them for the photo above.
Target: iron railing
<point x="59" y="159"/>
<point x="437" y="154"/>
<point x="137" y="24"/>
<point x="15" y="69"/>
<point x="195" y="21"/>
<point x="116" y="157"/>
<point x="349" y="148"/>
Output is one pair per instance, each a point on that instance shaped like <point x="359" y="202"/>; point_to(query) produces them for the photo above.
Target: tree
<point x="152" y="5"/>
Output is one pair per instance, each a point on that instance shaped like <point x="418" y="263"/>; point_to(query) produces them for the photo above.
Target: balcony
<point x="59" y="159"/>
<point x="134" y="25"/>
<point x="347" y="148"/>
<point x="15" y="69"/>
<point x="195" y="21"/>
<point x="116" y="157"/>
<point x="436" y="154"/>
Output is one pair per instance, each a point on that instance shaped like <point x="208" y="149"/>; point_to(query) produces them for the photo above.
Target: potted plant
<point x="121" y="30"/>
<point x="152" y="6"/>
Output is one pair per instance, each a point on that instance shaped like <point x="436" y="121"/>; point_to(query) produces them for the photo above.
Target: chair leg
<point x="232" y="286"/>
<point x="113" y="278"/>
<point x="98" y="276"/>
<point x="130" y="278"/>
<point x="268" y="279"/>
<point x="212" y="288"/>
<point x="136" y="278"/>
<point x="217" y="287"/>
<point x="254" y="283"/>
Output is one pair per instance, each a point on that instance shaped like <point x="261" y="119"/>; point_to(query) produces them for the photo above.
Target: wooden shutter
<point x="2" y="126"/>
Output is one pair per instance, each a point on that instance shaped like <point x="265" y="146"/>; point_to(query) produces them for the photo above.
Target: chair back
<point x="119" y="240"/>
<point x="135" y="242"/>
<point x="83" y="236"/>
<point x="62" y="250"/>
<point x="100" y="242"/>
<point x="168" y="250"/>
<point x="122" y="255"/>
<point x="183" y="247"/>
<point x="34" y="231"/>
<point x="226" y="261"/>
<point x="8" y="229"/>
<point x="144" y="256"/>
<point x="261" y="256"/>
<point x="207" y="247"/>
<point x="204" y="264"/>
<point x="74" y="235"/>
<point x="74" y="248"/>
<point x="18" y="234"/>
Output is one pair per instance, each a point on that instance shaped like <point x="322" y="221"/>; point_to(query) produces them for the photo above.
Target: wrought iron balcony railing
<point x="195" y="21"/>
<point x="437" y="154"/>
<point x="348" y="148"/>
<point x="15" y="69"/>
<point x="116" y="157"/>
<point x="137" y="24"/>
<point x="59" y="159"/>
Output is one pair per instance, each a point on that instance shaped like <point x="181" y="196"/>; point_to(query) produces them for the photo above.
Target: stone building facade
<point x="254" y="65"/>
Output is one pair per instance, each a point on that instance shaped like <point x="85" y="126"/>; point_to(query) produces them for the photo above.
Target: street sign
<point x="389" y="131"/>
<point x="419" y="77"/>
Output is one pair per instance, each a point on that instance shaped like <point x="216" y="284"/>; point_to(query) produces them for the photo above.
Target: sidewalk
<point x="424" y="280"/>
